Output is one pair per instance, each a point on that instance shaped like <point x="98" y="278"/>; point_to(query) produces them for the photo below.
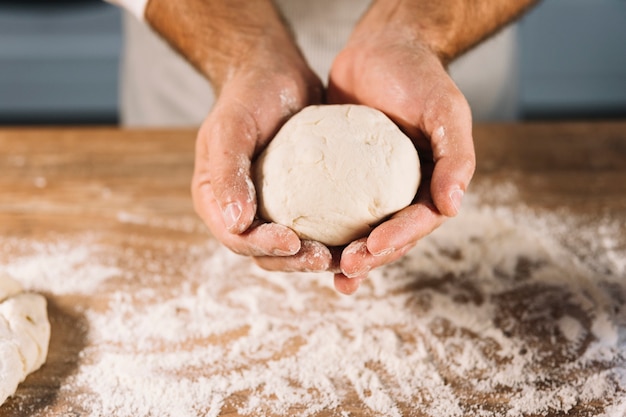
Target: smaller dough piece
<point x="333" y="172"/>
<point x="11" y="369"/>
<point x="27" y="320"/>
<point x="24" y="335"/>
<point x="8" y="287"/>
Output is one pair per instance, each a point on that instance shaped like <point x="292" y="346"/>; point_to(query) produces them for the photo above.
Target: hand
<point x="260" y="79"/>
<point x="394" y="61"/>
<point x="388" y="68"/>
<point x="254" y="102"/>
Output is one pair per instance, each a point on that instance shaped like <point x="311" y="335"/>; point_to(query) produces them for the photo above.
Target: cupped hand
<point x="252" y="104"/>
<point x="260" y="77"/>
<point x="392" y="70"/>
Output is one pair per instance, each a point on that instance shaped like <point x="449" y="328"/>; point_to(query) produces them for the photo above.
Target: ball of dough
<point x="333" y="172"/>
<point x="24" y="334"/>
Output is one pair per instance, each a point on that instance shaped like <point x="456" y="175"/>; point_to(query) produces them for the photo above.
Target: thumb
<point x="450" y="132"/>
<point x="225" y="146"/>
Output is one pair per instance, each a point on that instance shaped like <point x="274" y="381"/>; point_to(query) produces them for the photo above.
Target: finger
<point x="225" y="146"/>
<point x="354" y="259"/>
<point x="312" y="257"/>
<point x="406" y="226"/>
<point x="261" y="239"/>
<point x="357" y="261"/>
<point x="393" y="238"/>
<point x="448" y="123"/>
<point x="345" y="285"/>
<point x="266" y="239"/>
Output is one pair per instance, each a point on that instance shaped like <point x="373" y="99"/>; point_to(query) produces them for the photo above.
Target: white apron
<point x="159" y="88"/>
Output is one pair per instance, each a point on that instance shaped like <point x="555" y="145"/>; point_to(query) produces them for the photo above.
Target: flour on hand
<point x="333" y="172"/>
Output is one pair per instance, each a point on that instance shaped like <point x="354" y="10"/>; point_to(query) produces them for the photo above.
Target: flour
<point x="60" y="267"/>
<point x="491" y="315"/>
<point x="571" y="329"/>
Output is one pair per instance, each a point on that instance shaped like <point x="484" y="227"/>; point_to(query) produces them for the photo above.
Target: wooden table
<point x="123" y="197"/>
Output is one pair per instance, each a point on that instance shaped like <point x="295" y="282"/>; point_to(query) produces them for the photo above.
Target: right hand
<point x="387" y="65"/>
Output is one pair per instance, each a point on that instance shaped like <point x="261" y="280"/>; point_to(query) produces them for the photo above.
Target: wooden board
<point x="126" y="194"/>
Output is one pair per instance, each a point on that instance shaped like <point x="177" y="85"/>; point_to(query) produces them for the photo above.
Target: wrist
<point x="223" y="38"/>
<point x="447" y="27"/>
<point x="410" y="22"/>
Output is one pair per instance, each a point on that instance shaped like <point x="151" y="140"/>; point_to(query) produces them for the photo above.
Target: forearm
<point x="448" y="27"/>
<point x="220" y="37"/>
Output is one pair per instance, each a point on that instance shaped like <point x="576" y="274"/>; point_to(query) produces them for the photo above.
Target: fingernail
<point x="456" y="197"/>
<point x="283" y="252"/>
<point x="360" y="273"/>
<point x="231" y="215"/>
<point x="384" y="252"/>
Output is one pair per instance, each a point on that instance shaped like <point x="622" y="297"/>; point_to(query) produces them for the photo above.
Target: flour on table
<point x="494" y="314"/>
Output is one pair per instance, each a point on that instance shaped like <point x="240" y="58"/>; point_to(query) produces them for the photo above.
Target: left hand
<point x="260" y="78"/>
<point x="390" y="69"/>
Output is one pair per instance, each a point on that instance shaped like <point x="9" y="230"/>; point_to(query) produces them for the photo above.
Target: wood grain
<point x="63" y="182"/>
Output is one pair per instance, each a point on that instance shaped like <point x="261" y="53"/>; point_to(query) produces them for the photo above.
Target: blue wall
<point x="59" y="60"/>
<point x="573" y="59"/>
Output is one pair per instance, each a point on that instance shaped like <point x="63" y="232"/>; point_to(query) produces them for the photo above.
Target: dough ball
<point x="335" y="171"/>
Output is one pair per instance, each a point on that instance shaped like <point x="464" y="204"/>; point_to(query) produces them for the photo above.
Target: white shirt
<point x="136" y="7"/>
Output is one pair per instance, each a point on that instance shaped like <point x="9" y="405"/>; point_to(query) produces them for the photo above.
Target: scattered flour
<point x="60" y="267"/>
<point x="491" y="315"/>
